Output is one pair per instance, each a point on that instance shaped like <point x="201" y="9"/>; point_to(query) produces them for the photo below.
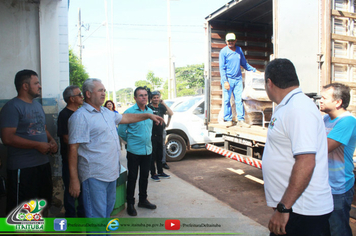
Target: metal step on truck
<point x="318" y="36"/>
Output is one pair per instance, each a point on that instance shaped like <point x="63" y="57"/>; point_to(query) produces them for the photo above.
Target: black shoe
<point x="131" y="210"/>
<point x="165" y="166"/>
<point x="147" y="204"/>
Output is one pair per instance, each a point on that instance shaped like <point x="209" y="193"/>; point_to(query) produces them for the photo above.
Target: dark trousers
<point x="68" y="200"/>
<point x="29" y="184"/>
<point x="157" y="154"/>
<point x="133" y="163"/>
<point x="301" y="225"/>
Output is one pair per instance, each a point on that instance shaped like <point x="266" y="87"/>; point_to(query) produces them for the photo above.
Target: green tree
<point x="77" y="73"/>
<point x="156" y="82"/>
<point x="189" y="79"/>
<point x="143" y="83"/>
<point x="125" y="95"/>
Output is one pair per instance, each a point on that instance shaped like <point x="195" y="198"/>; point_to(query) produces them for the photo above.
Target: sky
<point x="138" y="40"/>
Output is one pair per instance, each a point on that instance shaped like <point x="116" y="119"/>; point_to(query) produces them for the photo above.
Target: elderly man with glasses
<point x="74" y="98"/>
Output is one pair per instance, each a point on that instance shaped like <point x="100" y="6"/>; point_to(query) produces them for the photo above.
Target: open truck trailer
<point x="318" y="36"/>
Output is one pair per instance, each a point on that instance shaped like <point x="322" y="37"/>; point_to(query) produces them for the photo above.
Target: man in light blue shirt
<point x="139" y="150"/>
<point x="94" y="150"/>
<point x="341" y="133"/>
<point x="231" y="58"/>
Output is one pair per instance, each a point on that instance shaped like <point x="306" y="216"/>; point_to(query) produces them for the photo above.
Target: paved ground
<point x="178" y="199"/>
<point x="232" y="182"/>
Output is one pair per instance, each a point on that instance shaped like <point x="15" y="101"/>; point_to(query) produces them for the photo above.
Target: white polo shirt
<point x="296" y="128"/>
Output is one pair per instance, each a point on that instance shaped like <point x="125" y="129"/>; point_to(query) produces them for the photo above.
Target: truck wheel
<point x="176" y="147"/>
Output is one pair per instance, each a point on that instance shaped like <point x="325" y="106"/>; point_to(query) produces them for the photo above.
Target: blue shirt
<point x="230" y="62"/>
<point x="137" y="135"/>
<point x="343" y="130"/>
<point x="99" y="145"/>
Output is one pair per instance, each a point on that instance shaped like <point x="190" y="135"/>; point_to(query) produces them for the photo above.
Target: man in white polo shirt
<point x="295" y="163"/>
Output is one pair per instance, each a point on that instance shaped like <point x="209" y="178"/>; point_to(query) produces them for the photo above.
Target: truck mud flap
<point x="235" y="156"/>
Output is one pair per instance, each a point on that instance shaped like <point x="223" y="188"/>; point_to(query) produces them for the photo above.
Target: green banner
<point x="117" y="226"/>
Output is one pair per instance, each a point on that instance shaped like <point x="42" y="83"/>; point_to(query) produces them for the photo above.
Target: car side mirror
<point x="198" y="111"/>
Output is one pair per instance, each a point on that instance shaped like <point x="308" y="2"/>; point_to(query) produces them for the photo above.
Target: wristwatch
<point x="282" y="208"/>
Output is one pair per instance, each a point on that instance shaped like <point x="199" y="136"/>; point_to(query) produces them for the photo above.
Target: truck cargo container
<point x="318" y="36"/>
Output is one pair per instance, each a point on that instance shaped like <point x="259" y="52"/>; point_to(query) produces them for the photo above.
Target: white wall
<point x="54" y="47"/>
<point x="34" y="36"/>
<point x="296" y="38"/>
<point x="19" y="42"/>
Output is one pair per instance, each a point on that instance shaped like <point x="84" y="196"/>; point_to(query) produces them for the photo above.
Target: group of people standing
<point x="90" y="147"/>
<point x="307" y="160"/>
<point x="94" y="149"/>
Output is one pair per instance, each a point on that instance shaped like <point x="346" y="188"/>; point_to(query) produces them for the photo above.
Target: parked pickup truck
<point x="187" y="130"/>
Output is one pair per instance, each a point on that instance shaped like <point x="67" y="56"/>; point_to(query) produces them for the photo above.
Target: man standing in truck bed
<point x="231" y="58"/>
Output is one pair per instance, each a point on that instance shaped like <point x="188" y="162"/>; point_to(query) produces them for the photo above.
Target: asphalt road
<point x="232" y="182"/>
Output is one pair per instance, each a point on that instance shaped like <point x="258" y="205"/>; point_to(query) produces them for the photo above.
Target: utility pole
<point x="112" y="52"/>
<point x="108" y="44"/>
<point x="80" y="35"/>
<point x="174" y="86"/>
<point x="169" y="52"/>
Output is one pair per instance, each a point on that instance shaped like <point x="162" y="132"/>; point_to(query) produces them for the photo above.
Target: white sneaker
<point x="228" y="123"/>
<point x="242" y="123"/>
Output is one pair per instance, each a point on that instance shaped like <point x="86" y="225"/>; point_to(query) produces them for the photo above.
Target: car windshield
<point x="169" y="103"/>
<point x="186" y="105"/>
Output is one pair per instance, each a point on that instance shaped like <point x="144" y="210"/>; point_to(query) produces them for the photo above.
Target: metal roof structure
<point x="249" y="11"/>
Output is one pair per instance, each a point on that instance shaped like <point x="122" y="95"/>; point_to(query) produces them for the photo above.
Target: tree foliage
<point x="77" y="73"/>
<point x="125" y="95"/>
<point x="189" y="79"/>
<point x="156" y="82"/>
<point x="143" y="83"/>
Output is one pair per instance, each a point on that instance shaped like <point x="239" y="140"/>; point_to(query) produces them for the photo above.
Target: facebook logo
<point x="60" y="224"/>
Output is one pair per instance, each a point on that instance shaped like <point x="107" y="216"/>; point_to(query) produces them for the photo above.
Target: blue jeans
<point x="340" y="217"/>
<point x="235" y="88"/>
<point x="98" y="197"/>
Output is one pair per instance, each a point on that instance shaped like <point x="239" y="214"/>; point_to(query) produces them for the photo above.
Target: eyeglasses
<point x="79" y="94"/>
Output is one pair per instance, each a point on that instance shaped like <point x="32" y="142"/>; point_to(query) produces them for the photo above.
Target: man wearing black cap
<point x="159" y="108"/>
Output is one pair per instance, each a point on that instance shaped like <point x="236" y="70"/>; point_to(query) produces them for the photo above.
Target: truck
<point x="318" y="36"/>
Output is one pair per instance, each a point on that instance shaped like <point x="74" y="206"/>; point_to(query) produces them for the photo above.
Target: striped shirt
<point x="99" y="145"/>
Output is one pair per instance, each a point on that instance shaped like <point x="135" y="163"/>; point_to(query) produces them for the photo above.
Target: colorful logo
<point x="27" y="216"/>
<point x="172" y="224"/>
<point x="272" y="122"/>
<point x="113" y="225"/>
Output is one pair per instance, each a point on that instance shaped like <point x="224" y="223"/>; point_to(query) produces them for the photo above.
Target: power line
<point x="151" y="25"/>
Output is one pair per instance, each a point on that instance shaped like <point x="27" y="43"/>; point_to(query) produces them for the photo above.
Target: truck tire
<point x="176" y="147"/>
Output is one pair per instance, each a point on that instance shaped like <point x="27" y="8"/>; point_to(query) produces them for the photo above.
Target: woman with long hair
<point x="110" y="105"/>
